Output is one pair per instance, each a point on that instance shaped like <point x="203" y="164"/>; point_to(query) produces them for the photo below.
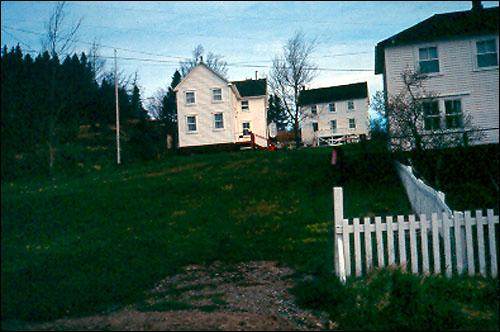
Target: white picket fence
<point x="423" y="198"/>
<point x="405" y="242"/>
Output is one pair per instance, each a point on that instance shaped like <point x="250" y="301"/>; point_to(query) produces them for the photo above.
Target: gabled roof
<point x="333" y="93"/>
<point x="441" y="26"/>
<point x="251" y="88"/>
<point x="205" y="66"/>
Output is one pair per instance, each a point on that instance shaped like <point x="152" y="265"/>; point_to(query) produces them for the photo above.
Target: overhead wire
<point x="158" y="61"/>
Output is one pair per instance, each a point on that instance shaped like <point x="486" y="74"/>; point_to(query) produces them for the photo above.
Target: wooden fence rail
<point x="408" y="240"/>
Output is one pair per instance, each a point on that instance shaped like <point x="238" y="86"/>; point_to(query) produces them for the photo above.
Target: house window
<point x="244" y="105"/>
<point x="190" y="99"/>
<point x="487" y="53"/>
<point x="352" y="123"/>
<point x="314" y="109"/>
<point x="191" y="123"/>
<point x="431" y="115"/>
<point x="428" y="60"/>
<point x="333" y="126"/>
<point x="315" y="126"/>
<point x="216" y="95"/>
<point x="246" y="128"/>
<point x="331" y="107"/>
<point x="453" y="114"/>
<point x="218" y="121"/>
<point x="350" y="105"/>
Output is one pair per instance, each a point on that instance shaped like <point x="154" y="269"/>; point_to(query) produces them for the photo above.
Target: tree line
<point x="46" y="101"/>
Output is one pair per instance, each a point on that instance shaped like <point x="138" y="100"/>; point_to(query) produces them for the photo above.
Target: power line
<point x="102" y="45"/>
<point x="171" y="62"/>
<point x="16" y="38"/>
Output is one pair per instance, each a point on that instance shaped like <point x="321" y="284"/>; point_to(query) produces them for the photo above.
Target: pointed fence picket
<point x="438" y="251"/>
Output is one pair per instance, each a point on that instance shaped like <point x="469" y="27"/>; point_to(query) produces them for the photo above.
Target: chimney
<point x="476" y="5"/>
<point x="256" y="74"/>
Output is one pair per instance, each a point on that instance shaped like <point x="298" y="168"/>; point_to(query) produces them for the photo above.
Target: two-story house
<point x="334" y="115"/>
<point x="214" y="111"/>
<point x="458" y="53"/>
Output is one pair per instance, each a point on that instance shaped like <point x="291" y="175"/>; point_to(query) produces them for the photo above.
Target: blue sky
<point x="247" y="34"/>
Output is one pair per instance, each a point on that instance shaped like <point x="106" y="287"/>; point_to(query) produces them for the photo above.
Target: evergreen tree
<point x="44" y="103"/>
<point x="168" y="112"/>
<point x="138" y="110"/>
<point x="276" y="113"/>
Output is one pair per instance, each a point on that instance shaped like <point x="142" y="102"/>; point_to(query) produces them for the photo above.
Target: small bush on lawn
<point x="393" y="300"/>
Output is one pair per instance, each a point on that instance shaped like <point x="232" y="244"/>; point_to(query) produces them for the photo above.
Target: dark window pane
<point x="315" y="126"/>
<point x="429" y="66"/>
<point x="487" y="60"/>
<point x="435" y="123"/>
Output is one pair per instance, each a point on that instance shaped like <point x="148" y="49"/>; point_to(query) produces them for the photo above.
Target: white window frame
<point x="433" y="116"/>
<point x="428" y="59"/>
<point x="459" y="114"/>
<point x="349" y="123"/>
<point x="350" y="102"/>
<point x="189" y="131"/>
<point x="476" y="53"/>
<point x="243" y="128"/>
<point x="213" y="95"/>
<point x="333" y="130"/>
<point x="186" y="97"/>
<point x="221" y="121"/>
<point x="331" y="108"/>
<point x="315" y="107"/>
<point x="247" y="109"/>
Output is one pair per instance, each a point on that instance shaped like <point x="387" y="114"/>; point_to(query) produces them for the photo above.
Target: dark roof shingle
<point x="441" y="26"/>
<point x="250" y="88"/>
<point x="333" y="93"/>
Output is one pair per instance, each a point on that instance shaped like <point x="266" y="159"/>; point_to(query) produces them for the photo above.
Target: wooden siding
<point x="202" y="81"/>
<point x="341" y="114"/>
<point x="256" y="115"/>
<point x="459" y="77"/>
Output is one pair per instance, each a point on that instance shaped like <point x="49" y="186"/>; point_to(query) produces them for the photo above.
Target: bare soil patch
<point x="246" y="296"/>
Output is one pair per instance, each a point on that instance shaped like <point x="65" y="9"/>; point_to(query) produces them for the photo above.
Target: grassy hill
<point x="79" y="244"/>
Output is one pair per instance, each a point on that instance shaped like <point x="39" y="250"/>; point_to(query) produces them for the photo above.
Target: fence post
<point x="338" y="217"/>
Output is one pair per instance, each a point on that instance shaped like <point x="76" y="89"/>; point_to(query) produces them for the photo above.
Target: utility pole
<point x="117" y="116"/>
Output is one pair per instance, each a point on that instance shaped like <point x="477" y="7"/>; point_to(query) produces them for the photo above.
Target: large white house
<point x="214" y="111"/>
<point x="334" y="115"/>
<point x="458" y="52"/>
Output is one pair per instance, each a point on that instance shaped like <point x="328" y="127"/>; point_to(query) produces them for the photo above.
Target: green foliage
<point x="168" y="111"/>
<point x="469" y="176"/>
<point x="45" y="103"/>
<point x="145" y="141"/>
<point x="276" y="112"/>
<point x="391" y="300"/>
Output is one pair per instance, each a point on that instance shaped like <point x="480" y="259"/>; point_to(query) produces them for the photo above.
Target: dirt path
<point x="247" y="296"/>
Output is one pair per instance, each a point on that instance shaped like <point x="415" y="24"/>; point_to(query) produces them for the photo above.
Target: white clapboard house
<point x="458" y="51"/>
<point x="334" y="115"/>
<point x="214" y="111"/>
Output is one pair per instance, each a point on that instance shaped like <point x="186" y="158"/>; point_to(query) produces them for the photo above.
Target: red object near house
<point x="334" y="157"/>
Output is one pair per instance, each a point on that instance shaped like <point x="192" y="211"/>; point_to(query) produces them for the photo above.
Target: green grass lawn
<point x="77" y="245"/>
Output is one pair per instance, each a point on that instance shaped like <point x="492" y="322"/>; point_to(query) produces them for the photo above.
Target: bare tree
<point x="57" y="42"/>
<point x="415" y="123"/>
<point x="97" y="63"/>
<point x="292" y="70"/>
<point x="212" y="60"/>
<point x="154" y="103"/>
